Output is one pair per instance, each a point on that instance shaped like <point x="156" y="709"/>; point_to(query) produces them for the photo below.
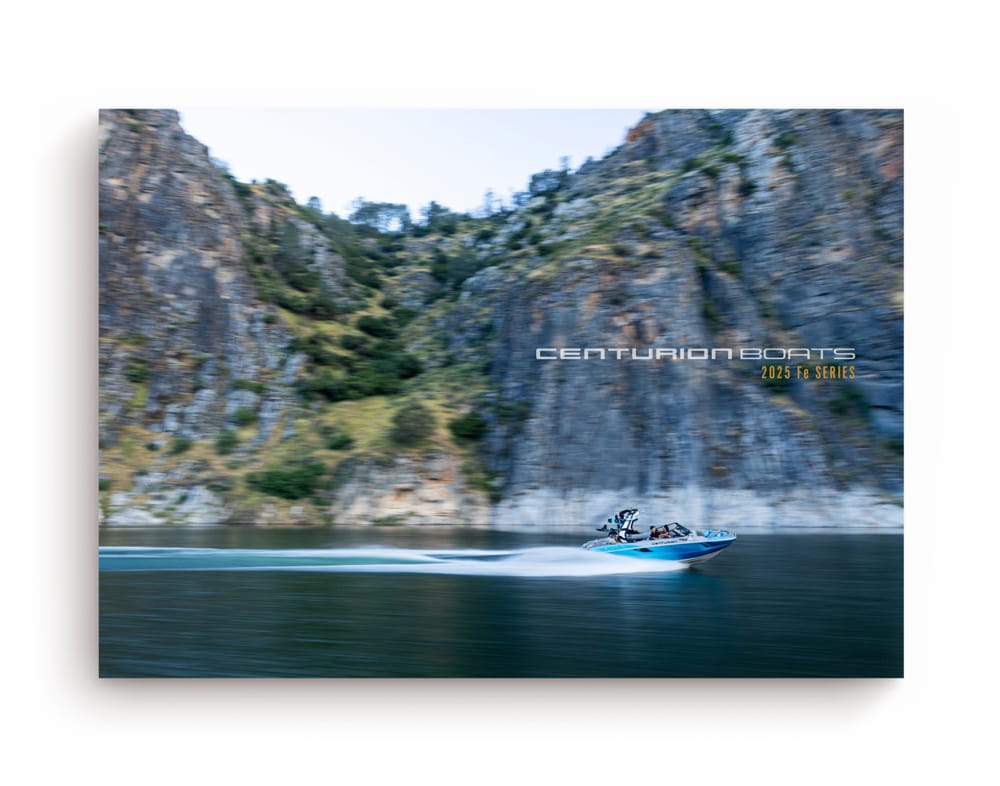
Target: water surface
<point x="405" y="602"/>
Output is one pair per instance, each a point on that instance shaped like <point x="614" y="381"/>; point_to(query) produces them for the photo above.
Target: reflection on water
<point x="443" y="603"/>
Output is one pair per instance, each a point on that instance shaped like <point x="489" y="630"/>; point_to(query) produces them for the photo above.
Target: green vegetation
<point x="512" y="412"/>
<point x="226" y="442"/>
<point x="180" y="445"/>
<point x="355" y="343"/>
<point x="731" y="266"/>
<point x="373" y="367"/>
<point x="316" y="346"/>
<point x="470" y="426"/>
<point x="336" y="439"/>
<point x="286" y="272"/>
<point x="785" y="140"/>
<point x="453" y="269"/>
<point x="373" y="377"/>
<point x="140" y="396"/>
<point x="360" y="268"/>
<point x="407" y="366"/>
<point x="275" y="188"/>
<point x="381" y="216"/>
<point x="295" y="482"/>
<point x="549" y="182"/>
<point x="283" y="278"/>
<point x="437" y="219"/>
<point x="412" y="424"/>
<point x="244" y="384"/>
<point x="244" y="193"/>
<point x="378" y="328"/>
<point x="711" y="314"/>
<point x="849" y="399"/>
<point x="711" y="170"/>
<point x="244" y="417"/>
<point x="137" y="369"/>
<point x="326" y="385"/>
<point x="389" y="521"/>
<point x="702" y="255"/>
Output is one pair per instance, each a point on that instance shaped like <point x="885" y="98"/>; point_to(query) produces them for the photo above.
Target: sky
<point x="409" y="156"/>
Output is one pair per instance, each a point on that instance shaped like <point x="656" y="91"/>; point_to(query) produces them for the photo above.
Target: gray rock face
<point x="412" y="289"/>
<point x="780" y="229"/>
<point x="424" y="492"/>
<point x="199" y="507"/>
<point x="178" y="310"/>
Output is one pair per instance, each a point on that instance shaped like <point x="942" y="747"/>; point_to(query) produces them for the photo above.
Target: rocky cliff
<point x="262" y="362"/>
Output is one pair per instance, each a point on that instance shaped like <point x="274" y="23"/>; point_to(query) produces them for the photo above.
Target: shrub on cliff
<point x="379" y="328"/>
<point x="321" y="305"/>
<point x="373" y="378"/>
<point x="137" y="370"/>
<point x="849" y="400"/>
<point x="180" y="445"/>
<point x="412" y="424"/>
<point x="245" y="416"/>
<point x="407" y="366"/>
<point x="325" y="385"/>
<point x="225" y="443"/>
<point x="293" y="482"/>
<point x="338" y="440"/>
<point x="315" y="346"/>
<point x="453" y="270"/>
<point x="246" y="384"/>
<point x="469" y="426"/>
<point x="361" y="269"/>
<point x="355" y="343"/>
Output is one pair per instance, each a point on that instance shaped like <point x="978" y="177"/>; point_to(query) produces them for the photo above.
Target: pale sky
<point x="411" y="156"/>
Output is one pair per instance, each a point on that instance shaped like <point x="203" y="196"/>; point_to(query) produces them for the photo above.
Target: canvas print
<point x="634" y="412"/>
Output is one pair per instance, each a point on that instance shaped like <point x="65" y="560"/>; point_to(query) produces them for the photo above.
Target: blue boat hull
<point x="687" y="550"/>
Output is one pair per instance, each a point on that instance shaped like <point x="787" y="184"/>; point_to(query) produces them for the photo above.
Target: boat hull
<point x="687" y="550"/>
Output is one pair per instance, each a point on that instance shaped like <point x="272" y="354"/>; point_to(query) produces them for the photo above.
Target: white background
<point x="61" y="63"/>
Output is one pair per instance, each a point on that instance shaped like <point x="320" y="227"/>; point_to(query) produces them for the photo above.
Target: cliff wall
<point x="244" y="336"/>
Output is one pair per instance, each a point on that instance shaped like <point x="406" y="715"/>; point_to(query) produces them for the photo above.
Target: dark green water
<point x="318" y="603"/>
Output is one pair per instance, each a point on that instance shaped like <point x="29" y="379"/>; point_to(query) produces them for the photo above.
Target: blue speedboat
<point x="672" y="541"/>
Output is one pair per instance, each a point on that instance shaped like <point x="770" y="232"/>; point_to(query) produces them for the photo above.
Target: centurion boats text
<point x="696" y="353"/>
